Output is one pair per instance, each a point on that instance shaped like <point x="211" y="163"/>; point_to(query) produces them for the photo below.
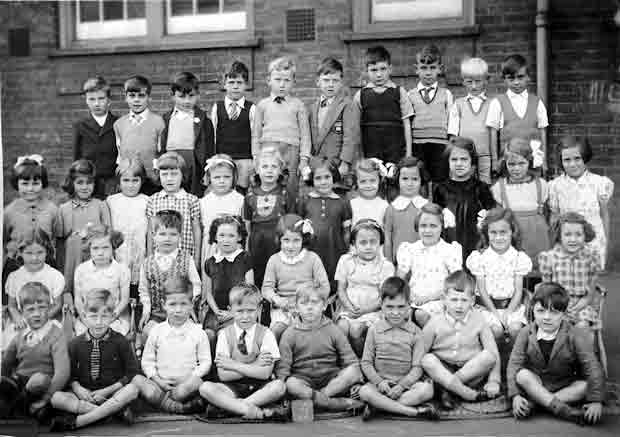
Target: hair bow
<point x="305" y="173"/>
<point x="482" y="215"/>
<point x="155" y="166"/>
<point x="449" y="221"/>
<point x="215" y="161"/>
<point x="537" y="153"/>
<point x="384" y="169"/>
<point x="22" y="159"/>
<point x="306" y="226"/>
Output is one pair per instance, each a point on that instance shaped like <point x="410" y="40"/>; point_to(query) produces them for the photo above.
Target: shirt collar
<point x="316" y="195"/>
<point x="173" y="254"/>
<point x="100" y="119"/>
<point x="482" y="96"/>
<point x="178" y="195"/>
<point x="273" y="97"/>
<point x="508" y="254"/>
<point x="388" y="84"/>
<point x="512" y="95"/>
<point x="382" y="325"/>
<point x="455" y="322"/>
<point x="294" y="260"/>
<point x="542" y="335"/>
<point x="401" y="202"/>
<point x="421" y="86"/>
<point x="36" y="335"/>
<point x="182" y="115"/>
<point x="240" y="103"/>
<point x="248" y="332"/>
<point x="559" y="250"/>
<point x="79" y="203"/>
<point x="104" y="337"/>
<point x="181" y="328"/>
<point x="579" y="180"/>
<point x="144" y="114"/>
<point x="230" y="257"/>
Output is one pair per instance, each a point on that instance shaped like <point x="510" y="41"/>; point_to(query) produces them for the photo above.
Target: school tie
<point x="233" y="111"/>
<point x="136" y="119"/>
<point x="426" y="94"/>
<point x="324" y="103"/>
<point x="241" y="343"/>
<point x="279" y="99"/>
<point x="95" y="360"/>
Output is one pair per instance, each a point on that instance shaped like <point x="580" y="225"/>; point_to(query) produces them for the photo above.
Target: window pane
<point x="399" y="10"/>
<point x="234" y="5"/>
<point x="136" y="9"/>
<point x="89" y="10"/>
<point x="208" y="6"/>
<point x="112" y="10"/>
<point x="181" y="7"/>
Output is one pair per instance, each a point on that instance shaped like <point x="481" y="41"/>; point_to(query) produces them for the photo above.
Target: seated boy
<point x="35" y="365"/>
<point x="316" y="359"/>
<point x="102" y="365"/>
<point x="461" y="349"/>
<point x="552" y="363"/>
<point x="176" y="356"/>
<point x="391" y="361"/>
<point x="245" y="355"/>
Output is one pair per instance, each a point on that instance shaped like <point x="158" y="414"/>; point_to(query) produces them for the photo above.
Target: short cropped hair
<point x="582" y="144"/>
<point x="96" y="83"/>
<point x="474" y="67"/>
<point x="177" y="284"/>
<point x="132" y="167"/>
<point x="330" y="65"/>
<point x="33" y="292"/>
<point x="432" y="209"/>
<point x="184" y="83"/>
<point x="428" y="55"/>
<point x="237" y="69"/>
<point x="168" y="218"/>
<point x="550" y="295"/>
<point x="308" y="290"/>
<point x="29" y="169"/>
<point x="377" y="54"/>
<point x="283" y="63"/>
<point x="393" y="287"/>
<point x="575" y="218"/>
<point x="98" y="298"/>
<point x="243" y="291"/>
<point x="460" y="281"/>
<point x="512" y="64"/>
<point x="137" y="83"/>
<point x="104" y="231"/>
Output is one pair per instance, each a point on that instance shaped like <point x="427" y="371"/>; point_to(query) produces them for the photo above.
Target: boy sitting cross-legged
<point x="461" y="349"/>
<point x="316" y="359"/>
<point x="244" y="356"/>
<point x="552" y="363"/>
<point x="391" y="361"/>
<point x="103" y="364"/>
<point x="176" y="356"/>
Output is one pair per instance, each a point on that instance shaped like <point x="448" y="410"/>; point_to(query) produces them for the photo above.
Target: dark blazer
<point x="572" y="358"/>
<point x="204" y="146"/>
<point x="338" y="138"/>
<point x="96" y="143"/>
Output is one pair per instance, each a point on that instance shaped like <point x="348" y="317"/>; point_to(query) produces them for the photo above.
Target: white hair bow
<point x="36" y="158"/>
<point x="386" y="170"/>
<point x="449" y="221"/>
<point x="155" y="166"/>
<point x="306" y="226"/>
<point x="537" y="153"/>
<point x="215" y="161"/>
<point x="482" y="215"/>
<point x="305" y="173"/>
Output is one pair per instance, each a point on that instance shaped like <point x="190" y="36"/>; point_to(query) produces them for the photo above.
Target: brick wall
<point x="39" y="104"/>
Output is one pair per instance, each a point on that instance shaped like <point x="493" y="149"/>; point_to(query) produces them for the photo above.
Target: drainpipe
<point x="542" y="51"/>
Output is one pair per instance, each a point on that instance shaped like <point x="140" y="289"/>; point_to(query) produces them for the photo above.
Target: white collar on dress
<point x="230" y="257"/>
<point x="294" y="260"/>
<point x="316" y="195"/>
<point x="401" y="202"/>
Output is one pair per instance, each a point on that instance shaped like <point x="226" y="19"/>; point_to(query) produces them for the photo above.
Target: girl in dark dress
<point x="464" y="195"/>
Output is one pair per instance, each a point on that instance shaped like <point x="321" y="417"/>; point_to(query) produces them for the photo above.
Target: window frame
<point x="364" y="28"/>
<point x="156" y="38"/>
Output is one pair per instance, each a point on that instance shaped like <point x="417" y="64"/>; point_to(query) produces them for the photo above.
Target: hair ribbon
<point x="22" y="159"/>
<point x="306" y="226"/>
<point x="537" y="153"/>
<point x="215" y="161"/>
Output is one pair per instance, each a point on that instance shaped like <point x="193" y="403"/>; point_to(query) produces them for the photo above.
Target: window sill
<point x="162" y="47"/>
<point x="409" y="34"/>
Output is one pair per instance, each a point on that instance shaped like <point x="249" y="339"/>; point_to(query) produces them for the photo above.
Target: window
<point x="112" y="26"/>
<point x="109" y="19"/>
<point x="411" y="16"/>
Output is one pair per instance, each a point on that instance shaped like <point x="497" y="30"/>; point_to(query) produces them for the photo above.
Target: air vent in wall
<point x="19" y="42"/>
<point x="300" y="25"/>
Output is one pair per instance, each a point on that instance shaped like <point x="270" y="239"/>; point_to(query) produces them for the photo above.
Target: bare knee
<point x="211" y="336"/>
<point x="525" y="378"/>
<point x="344" y="325"/>
<point x="298" y="388"/>
<point x="132" y="391"/>
<point x="358" y="330"/>
<point x="207" y="388"/>
<point x="429" y="362"/>
<point x="278" y="329"/>
<point x="488" y="359"/>
<point x="59" y="398"/>
<point x="278" y="387"/>
<point x="366" y="391"/>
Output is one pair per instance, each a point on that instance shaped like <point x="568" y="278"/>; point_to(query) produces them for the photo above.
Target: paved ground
<point x="354" y="427"/>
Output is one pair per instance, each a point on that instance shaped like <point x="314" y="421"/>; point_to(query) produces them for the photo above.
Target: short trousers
<point x="318" y="382"/>
<point x="246" y="386"/>
<point x="475" y="383"/>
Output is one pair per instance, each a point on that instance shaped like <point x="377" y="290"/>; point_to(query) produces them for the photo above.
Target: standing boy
<point x="430" y="121"/>
<point x="552" y="363"/>
<point x="138" y="134"/>
<point x="103" y="364"/>
<point x="391" y="361"/>
<point x="462" y="353"/>
<point x="516" y="113"/>
<point x="383" y="110"/>
<point x="188" y="131"/>
<point x="334" y="129"/>
<point x="94" y="138"/>
<point x="316" y="359"/>
<point x="176" y="356"/>
<point x="35" y="365"/>
<point x="281" y="120"/>
<point x="233" y="119"/>
<point x="467" y="117"/>
<point x="245" y="356"/>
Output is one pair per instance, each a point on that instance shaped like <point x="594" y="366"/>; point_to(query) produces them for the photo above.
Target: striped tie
<point x="233" y="111"/>
<point x="241" y="343"/>
<point x="95" y="360"/>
